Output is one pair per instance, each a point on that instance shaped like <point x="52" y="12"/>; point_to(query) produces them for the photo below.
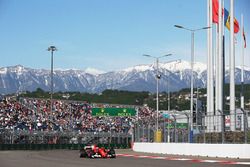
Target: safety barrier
<point x="56" y="146"/>
<point x="196" y="149"/>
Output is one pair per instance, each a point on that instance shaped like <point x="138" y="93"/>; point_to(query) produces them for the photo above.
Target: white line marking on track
<point x="158" y="157"/>
<point x="183" y="159"/>
<point x="144" y="156"/>
<point x="211" y="161"/>
<point x="243" y="163"/>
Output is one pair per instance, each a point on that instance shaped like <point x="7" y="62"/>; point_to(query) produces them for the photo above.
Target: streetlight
<point x="176" y="62"/>
<point x="168" y="83"/>
<point x="192" y="66"/>
<point x="158" y="76"/>
<point x="51" y="49"/>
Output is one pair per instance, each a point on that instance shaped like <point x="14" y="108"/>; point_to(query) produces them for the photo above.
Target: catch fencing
<point x="37" y="140"/>
<point x="177" y="128"/>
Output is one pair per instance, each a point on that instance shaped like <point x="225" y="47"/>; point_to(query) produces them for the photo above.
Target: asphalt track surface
<point x="70" y="158"/>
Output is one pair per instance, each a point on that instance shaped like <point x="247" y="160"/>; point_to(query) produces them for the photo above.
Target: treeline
<point x="107" y="96"/>
<point x="178" y="100"/>
<point x="246" y="93"/>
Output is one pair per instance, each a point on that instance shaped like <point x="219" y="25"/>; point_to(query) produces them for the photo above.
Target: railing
<point x="37" y="140"/>
<point x="221" y="128"/>
<point x="57" y="146"/>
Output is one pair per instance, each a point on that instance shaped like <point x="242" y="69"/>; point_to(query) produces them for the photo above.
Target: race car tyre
<point x="111" y="153"/>
<point x="91" y="154"/>
<point x="83" y="153"/>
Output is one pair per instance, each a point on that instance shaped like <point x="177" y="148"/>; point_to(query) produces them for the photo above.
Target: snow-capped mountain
<point x="174" y="75"/>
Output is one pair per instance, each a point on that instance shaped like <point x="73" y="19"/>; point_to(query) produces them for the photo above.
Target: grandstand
<point x="30" y="121"/>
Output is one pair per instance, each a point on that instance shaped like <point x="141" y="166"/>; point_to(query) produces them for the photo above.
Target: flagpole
<point x="208" y="64"/>
<point x="211" y="65"/>
<point x="209" y="68"/>
<point x="232" y="68"/>
<point x="217" y="67"/>
<point x="220" y="68"/>
<point x="223" y="75"/>
<point x="242" y="64"/>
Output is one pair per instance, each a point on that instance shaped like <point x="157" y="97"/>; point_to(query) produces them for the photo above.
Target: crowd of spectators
<point x="36" y="115"/>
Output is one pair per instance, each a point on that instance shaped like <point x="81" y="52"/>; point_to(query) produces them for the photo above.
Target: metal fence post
<point x="143" y="133"/>
<point x="135" y="133"/>
<point x="245" y="125"/>
<point x="132" y="134"/>
<point x="138" y="132"/>
<point x="189" y="135"/>
<point x="164" y="130"/>
<point x="203" y="127"/>
<point x="175" y="137"/>
<point x="222" y="126"/>
<point x="148" y="132"/>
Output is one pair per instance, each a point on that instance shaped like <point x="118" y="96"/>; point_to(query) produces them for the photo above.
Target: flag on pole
<point x="244" y="37"/>
<point x="226" y="17"/>
<point x="227" y="21"/>
<point x="215" y="11"/>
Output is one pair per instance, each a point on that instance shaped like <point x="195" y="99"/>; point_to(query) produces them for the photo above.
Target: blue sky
<point x="104" y="34"/>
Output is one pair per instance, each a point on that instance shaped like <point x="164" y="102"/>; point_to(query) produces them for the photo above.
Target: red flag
<point x="226" y="17"/>
<point x="215" y="11"/>
<point x="236" y="26"/>
<point x="244" y="37"/>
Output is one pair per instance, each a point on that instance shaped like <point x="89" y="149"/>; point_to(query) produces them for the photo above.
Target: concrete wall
<point x="211" y="150"/>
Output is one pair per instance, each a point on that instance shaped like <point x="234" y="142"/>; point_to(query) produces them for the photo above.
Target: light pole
<point x="158" y="76"/>
<point x="192" y="68"/>
<point x="168" y="83"/>
<point x="51" y="49"/>
<point x="178" y="61"/>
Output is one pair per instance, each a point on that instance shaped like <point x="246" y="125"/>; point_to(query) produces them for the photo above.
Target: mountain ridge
<point x="175" y="76"/>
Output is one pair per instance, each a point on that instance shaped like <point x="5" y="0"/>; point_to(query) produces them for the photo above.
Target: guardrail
<point x="56" y="146"/>
<point x="196" y="149"/>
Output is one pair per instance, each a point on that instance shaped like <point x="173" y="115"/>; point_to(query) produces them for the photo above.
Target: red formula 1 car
<point x="95" y="152"/>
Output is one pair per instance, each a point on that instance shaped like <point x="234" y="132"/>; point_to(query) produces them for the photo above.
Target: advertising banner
<point x="120" y="112"/>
